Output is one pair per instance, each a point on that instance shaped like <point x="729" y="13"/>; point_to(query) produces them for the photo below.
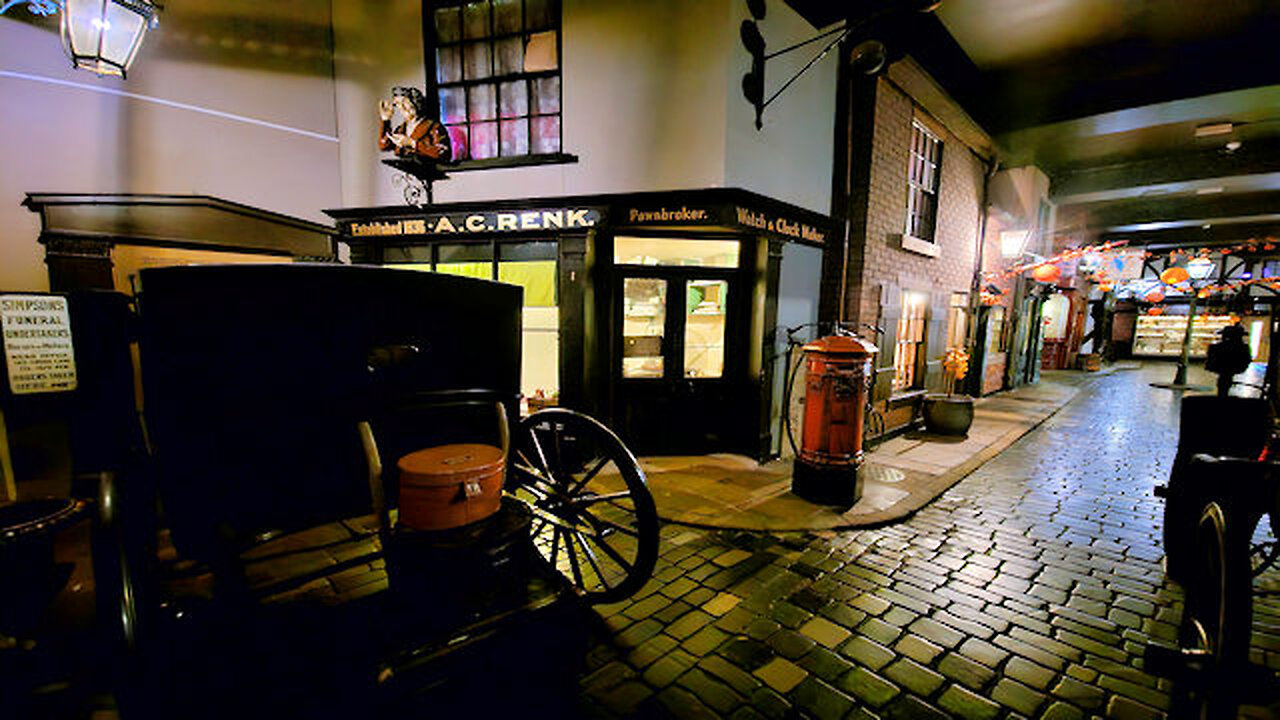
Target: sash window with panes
<point x="909" y="351"/>
<point x="497" y="78"/>
<point x="922" y="183"/>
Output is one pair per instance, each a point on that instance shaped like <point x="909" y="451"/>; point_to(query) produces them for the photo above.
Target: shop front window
<point x="958" y="320"/>
<point x="674" y="251"/>
<point x="471" y="260"/>
<point x="704" y="328"/>
<point x="644" y="317"/>
<point x="910" y="341"/>
<point x="532" y="266"/>
<point x="995" y="330"/>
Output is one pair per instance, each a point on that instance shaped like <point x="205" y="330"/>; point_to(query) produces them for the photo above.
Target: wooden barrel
<point x="450" y="485"/>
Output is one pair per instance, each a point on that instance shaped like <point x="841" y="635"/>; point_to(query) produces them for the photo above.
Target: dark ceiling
<point x="1106" y="97"/>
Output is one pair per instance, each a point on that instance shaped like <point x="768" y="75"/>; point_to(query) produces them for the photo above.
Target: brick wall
<point x="959" y="201"/>
<point x="879" y="267"/>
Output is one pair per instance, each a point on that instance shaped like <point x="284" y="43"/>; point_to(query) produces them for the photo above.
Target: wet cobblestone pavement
<point x="1030" y="589"/>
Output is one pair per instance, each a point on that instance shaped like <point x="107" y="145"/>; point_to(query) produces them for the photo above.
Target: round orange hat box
<point x="450" y="485"/>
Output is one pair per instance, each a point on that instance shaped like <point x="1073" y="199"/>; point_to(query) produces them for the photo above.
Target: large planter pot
<point x="948" y="414"/>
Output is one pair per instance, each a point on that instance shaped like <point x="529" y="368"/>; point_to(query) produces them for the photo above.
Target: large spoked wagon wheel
<point x="1217" y="621"/>
<point x="594" y="519"/>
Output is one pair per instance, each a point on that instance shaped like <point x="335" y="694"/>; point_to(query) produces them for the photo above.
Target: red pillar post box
<point x="830" y="453"/>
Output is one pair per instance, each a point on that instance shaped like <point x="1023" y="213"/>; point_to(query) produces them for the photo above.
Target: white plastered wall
<point x="232" y="99"/>
<point x="652" y="100"/>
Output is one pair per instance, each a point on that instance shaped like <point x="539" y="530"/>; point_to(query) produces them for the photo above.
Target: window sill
<point x="920" y="246"/>
<point x="510" y="162"/>
<point x="904" y="397"/>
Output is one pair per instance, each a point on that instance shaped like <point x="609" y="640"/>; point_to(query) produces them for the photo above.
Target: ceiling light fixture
<point x="1233" y="146"/>
<point x="1213" y="129"/>
<point x="1209" y="190"/>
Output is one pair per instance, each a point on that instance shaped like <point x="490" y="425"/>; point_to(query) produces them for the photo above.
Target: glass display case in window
<point x="1161" y="335"/>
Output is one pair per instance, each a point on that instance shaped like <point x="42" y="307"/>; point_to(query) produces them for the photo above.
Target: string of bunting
<point x="993" y="294"/>
<point x="1064" y="256"/>
<point x="1252" y="245"/>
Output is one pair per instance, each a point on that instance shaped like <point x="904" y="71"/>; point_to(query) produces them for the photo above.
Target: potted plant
<point x="950" y="414"/>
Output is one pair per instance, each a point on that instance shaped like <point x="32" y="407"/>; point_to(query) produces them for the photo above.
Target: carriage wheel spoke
<point x="597" y="522"/>
<point x="587" y="478"/>
<point x="612" y="552"/>
<point x="549" y="518"/>
<point x="537" y="446"/>
<point x="573" y="559"/>
<point x="537" y="484"/>
<point x="593" y="499"/>
<point x="591" y="560"/>
<point x="555" y="544"/>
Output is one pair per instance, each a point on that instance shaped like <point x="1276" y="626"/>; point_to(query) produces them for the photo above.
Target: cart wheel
<point x="594" y="519"/>
<point x="1217" y="620"/>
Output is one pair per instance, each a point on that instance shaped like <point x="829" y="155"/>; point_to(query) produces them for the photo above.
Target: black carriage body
<point x="254" y="377"/>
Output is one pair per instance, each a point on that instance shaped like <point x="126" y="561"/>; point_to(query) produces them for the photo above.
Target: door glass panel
<point x="671" y="251"/>
<point x="704" y="328"/>
<point x="644" y="316"/>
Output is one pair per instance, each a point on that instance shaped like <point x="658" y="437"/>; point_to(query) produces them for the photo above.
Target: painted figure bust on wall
<point x="407" y="131"/>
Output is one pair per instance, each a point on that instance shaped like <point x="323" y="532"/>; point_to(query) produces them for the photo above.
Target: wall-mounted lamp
<point x="103" y="36"/>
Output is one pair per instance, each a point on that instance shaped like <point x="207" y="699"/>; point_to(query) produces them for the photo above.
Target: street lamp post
<point x="103" y="36"/>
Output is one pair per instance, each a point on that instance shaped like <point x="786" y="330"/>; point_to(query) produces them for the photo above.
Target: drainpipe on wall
<point x="975" y="292"/>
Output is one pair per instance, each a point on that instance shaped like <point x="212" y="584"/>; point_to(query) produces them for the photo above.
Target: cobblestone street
<point x="1029" y="589"/>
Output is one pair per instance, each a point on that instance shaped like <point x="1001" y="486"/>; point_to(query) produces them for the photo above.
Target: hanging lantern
<point x="1155" y="310"/>
<point x="1203" y="293"/>
<point x="103" y="36"/>
<point x="1154" y="296"/>
<point x="1174" y="275"/>
<point x="1104" y="287"/>
<point x="1047" y="273"/>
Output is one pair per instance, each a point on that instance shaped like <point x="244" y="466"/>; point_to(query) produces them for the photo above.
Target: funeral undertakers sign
<point x="38" y="353"/>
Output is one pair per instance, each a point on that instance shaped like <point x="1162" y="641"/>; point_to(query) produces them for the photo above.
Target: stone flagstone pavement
<point x="902" y="474"/>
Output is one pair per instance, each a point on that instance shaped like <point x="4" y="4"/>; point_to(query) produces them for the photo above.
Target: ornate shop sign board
<point x="683" y="215"/>
<point x="729" y="216"/>
<point x="38" y="352"/>
<point x="481" y="222"/>
<point x="778" y="224"/>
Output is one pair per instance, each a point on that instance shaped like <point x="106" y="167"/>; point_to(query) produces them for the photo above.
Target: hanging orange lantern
<point x="1203" y="293"/>
<point x="1104" y="288"/>
<point x="1174" y="275"/>
<point x="1155" y="310"/>
<point x="1047" y="273"/>
<point x="1154" y="296"/>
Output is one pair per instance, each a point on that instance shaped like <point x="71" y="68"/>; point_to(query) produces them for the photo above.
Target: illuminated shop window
<point x="910" y="347"/>
<point x="532" y="266"/>
<point x="497" y="70"/>
<point x="672" y="251"/>
<point x="958" y="320"/>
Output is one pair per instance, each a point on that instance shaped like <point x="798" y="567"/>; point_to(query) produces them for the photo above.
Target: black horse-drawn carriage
<point x="275" y="577"/>
<point x="1225" y="480"/>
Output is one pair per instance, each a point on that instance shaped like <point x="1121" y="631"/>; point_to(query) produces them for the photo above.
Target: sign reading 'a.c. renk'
<point x="38" y="352"/>
<point x="481" y="222"/>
